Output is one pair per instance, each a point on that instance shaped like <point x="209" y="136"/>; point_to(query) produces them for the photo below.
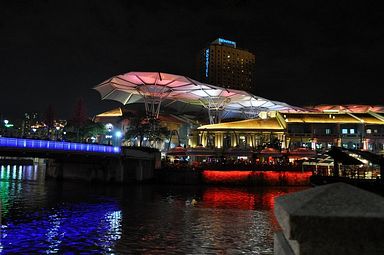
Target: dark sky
<point x="307" y="52"/>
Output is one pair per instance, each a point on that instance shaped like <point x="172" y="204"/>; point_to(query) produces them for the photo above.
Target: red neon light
<point x="257" y="177"/>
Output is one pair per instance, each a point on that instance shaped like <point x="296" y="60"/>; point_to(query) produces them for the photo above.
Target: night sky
<point x="53" y="52"/>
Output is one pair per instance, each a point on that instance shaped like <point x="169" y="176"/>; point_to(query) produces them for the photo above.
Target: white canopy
<point x="154" y="87"/>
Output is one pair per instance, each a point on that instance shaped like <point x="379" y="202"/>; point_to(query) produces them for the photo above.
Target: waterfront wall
<point x="174" y="176"/>
<point x="332" y="219"/>
<point x="132" y="166"/>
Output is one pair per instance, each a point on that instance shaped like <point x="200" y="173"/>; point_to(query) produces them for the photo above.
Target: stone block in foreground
<point x="331" y="219"/>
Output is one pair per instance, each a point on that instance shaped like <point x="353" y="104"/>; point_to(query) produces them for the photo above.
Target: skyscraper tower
<point x="225" y="65"/>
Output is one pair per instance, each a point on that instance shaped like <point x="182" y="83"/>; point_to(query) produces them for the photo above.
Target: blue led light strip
<point x="206" y="62"/>
<point x="54" y="145"/>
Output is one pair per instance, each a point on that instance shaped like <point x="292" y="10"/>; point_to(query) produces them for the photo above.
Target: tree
<point x="142" y="127"/>
<point x="83" y="133"/>
<point x="93" y="129"/>
<point x="79" y="118"/>
<point x="138" y="127"/>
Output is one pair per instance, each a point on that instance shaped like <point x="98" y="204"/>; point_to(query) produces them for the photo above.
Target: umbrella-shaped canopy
<point x="150" y="87"/>
<point x="126" y="87"/>
<point x="270" y="152"/>
<point x="200" y="151"/>
<point x="155" y="87"/>
<point x="237" y="151"/>
<point x="303" y="152"/>
<point x="372" y="157"/>
<point x="342" y="157"/>
<point x="353" y="108"/>
<point x="177" y="151"/>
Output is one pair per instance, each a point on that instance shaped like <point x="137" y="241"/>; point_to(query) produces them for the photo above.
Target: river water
<point x="48" y="217"/>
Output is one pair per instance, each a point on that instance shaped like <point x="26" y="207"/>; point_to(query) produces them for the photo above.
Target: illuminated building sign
<point x="53" y="145"/>
<point x="206" y="62"/>
<point x="227" y="42"/>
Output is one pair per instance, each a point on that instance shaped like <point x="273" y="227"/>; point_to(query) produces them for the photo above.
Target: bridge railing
<point x="56" y="145"/>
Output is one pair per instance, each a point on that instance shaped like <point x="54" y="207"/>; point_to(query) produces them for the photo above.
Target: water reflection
<point x="22" y="173"/>
<point x="49" y="217"/>
<point x="71" y="228"/>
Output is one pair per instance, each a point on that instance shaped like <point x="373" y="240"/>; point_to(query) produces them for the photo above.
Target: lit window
<point x="352" y="131"/>
<point x="327" y="131"/>
<point x="344" y="131"/>
<point x="369" y="131"/>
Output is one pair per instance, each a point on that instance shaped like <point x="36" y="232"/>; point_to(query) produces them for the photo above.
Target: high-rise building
<point x="225" y="65"/>
<point x="30" y="119"/>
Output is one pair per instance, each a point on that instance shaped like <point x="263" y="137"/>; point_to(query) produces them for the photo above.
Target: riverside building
<point x="317" y="130"/>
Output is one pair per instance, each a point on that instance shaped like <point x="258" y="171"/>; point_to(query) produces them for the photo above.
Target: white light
<point x="109" y="126"/>
<point x="118" y="134"/>
<point x="6" y="122"/>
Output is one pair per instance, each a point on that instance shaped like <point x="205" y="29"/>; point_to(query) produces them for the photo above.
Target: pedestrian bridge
<point x="31" y="147"/>
<point x="82" y="161"/>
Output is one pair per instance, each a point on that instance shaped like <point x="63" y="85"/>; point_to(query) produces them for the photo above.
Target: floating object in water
<point x="193" y="202"/>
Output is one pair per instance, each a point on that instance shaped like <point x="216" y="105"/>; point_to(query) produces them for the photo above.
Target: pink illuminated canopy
<point x="155" y="87"/>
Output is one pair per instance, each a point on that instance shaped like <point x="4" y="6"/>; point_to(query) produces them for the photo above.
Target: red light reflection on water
<point x="245" y="199"/>
<point x="259" y="199"/>
<point x="228" y="198"/>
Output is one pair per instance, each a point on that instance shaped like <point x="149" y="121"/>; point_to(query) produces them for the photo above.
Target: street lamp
<point x="57" y="132"/>
<point x="118" y="135"/>
<point x="109" y="128"/>
<point x="6" y="125"/>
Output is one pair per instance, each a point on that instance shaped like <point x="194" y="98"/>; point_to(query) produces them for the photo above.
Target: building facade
<point x="313" y="130"/>
<point x="225" y="65"/>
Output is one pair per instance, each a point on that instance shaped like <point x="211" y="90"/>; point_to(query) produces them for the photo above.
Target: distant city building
<point x="225" y="65"/>
<point x="30" y="119"/>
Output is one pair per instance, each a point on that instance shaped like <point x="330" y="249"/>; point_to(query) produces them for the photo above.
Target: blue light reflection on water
<point x="56" y="227"/>
<point x="66" y="226"/>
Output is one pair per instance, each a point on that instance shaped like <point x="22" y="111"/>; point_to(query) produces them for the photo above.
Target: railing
<point x="300" y="134"/>
<point x="350" y="136"/>
<point x="56" y="145"/>
<point x="374" y="135"/>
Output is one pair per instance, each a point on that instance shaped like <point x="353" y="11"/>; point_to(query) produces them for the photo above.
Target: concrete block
<point x="332" y="219"/>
